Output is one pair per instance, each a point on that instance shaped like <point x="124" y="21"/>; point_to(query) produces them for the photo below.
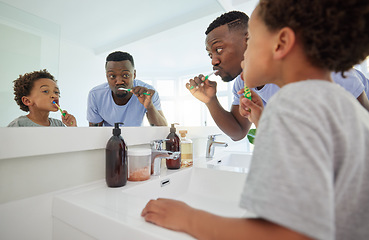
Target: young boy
<point x="306" y="180"/>
<point x="35" y="93"/>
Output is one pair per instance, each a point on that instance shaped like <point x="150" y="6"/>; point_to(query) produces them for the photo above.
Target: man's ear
<point x="26" y="101"/>
<point x="134" y="74"/>
<point x="286" y="39"/>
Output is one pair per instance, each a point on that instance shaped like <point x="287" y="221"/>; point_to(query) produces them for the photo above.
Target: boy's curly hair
<point x="334" y="33"/>
<point x="24" y="84"/>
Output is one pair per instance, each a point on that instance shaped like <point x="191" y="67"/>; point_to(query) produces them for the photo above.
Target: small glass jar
<point x="139" y="164"/>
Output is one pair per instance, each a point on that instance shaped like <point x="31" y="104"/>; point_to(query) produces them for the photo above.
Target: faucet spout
<point x="156" y="156"/>
<point x="211" y="144"/>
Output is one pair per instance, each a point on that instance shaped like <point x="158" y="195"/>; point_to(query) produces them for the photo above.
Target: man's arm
<point x="363" y="100"/>
<point x="155" y="117"/>
<point x="95" y="124"/>
<point x="231" y="123"/>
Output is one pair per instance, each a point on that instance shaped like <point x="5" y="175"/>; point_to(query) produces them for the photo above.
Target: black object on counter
<point x="116" y="168"/>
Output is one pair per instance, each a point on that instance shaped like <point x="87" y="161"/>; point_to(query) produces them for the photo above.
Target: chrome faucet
<point x="157" y="153"/>
<point x="211" y="144"/>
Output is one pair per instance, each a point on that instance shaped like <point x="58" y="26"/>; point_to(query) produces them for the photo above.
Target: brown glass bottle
<point x="116" y="167"/>
<point x="173" y="144"/>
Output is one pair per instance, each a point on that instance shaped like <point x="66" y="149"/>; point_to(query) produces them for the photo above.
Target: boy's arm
<point x="179" y="216"/>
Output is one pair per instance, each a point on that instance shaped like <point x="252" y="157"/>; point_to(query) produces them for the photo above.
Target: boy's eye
<point x="45" y="91"/>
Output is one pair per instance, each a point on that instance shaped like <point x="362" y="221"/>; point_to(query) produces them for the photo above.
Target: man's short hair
<point x="119" y="56"/>
<point x="235" y="20"/>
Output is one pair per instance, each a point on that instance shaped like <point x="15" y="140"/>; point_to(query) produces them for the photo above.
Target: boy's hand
<point x="251" y="109"/>
<point x="69" y="120"/>
<point x="168" y="213"/>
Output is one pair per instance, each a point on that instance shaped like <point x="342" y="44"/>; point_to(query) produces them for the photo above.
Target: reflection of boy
<point x="108" y="103"/>
<point x="35" y="93"/>
<point x="306" y="180"/>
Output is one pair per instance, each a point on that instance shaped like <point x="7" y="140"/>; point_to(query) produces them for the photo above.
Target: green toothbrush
<point x="206" y="78"/>
<point x="129" y="90"/>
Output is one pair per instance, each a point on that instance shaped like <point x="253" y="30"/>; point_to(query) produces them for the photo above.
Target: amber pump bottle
<point x="116" y="169"/>
<point x="173" y="144"/>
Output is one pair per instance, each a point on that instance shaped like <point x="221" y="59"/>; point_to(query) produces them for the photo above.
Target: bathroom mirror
<point x="167" y="45"/>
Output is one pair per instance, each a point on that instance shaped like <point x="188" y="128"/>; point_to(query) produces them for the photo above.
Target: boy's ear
<point x="286" y="39"/>
<point x="26" y="101"/>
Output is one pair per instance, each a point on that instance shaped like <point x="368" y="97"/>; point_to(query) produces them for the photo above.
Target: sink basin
<point x="231" y="161"/>
<point x="117" y="210"/>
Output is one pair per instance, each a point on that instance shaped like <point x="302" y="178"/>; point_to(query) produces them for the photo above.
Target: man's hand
<point x="203" y="90"/>
<point x="145" y="99"/>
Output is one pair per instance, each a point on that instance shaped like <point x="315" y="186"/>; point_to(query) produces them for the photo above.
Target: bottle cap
<point x="183" y="133"/>
<point x="116" y="130"/>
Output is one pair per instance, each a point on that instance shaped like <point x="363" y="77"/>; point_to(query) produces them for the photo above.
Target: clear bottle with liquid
<point x="186" y="149"/>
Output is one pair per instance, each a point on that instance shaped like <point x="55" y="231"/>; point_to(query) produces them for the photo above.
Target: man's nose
<point x="120" y="80"/>
<point x="215" y="61"/>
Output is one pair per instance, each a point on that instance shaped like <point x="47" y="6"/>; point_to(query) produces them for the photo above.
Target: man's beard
<point x="121" y="94"/>
<point x="228" y="78"/>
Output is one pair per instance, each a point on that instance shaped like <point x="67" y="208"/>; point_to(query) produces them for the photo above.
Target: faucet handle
<point x="212" y="136"/>
<point x="157" y="144"/>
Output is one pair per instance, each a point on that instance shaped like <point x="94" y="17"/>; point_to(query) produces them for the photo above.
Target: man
<point x="226" y="41"/>
<point x="123" y="98"/>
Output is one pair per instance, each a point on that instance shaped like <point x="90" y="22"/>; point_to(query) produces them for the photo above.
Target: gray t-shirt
<point x="24" y="121"/>
<point x="310" y="166"/>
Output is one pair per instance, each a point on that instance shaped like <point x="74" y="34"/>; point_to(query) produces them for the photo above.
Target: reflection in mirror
<point x="172" y="52"/>
<point x="123" y="98"/>
<point x="27" y="43"/>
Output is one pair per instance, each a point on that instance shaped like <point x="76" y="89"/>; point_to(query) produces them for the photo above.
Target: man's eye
<point x="219" y="50"/>
<point x="111" y="76"/>
<point x="210" y="55"/>
<point x="126" y="75"/>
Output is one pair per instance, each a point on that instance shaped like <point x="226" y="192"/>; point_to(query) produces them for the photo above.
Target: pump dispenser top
<point x="116" y="130"/>
<point x="172" y="128"/>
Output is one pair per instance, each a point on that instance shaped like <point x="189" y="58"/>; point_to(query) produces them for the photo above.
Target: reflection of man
<point x="226" y="41"/>
<point x="109" y="102"/>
